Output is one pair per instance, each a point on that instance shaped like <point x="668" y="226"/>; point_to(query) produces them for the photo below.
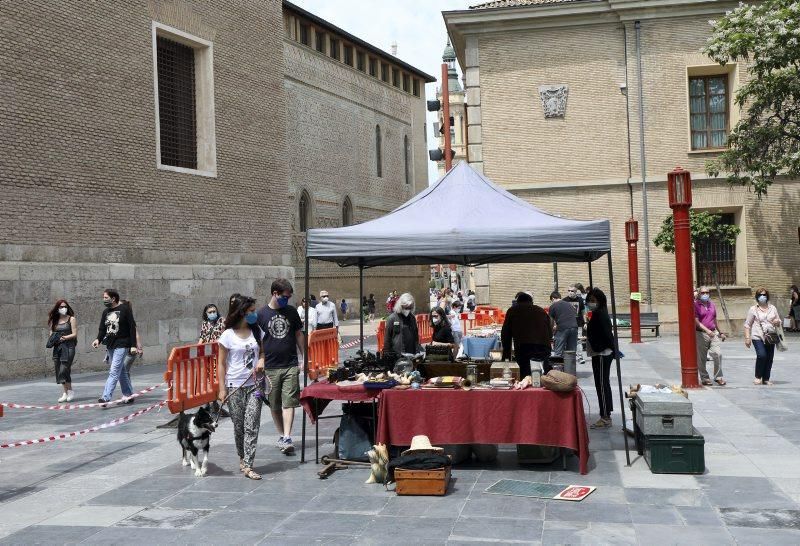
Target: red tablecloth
<point x="531" y="416"/>
<point x="323" y="392"/>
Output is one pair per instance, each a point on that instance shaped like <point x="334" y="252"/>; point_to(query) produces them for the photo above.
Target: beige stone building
<point x="554" y="115"/>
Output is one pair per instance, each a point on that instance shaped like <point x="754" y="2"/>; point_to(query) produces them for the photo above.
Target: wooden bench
<point x="647" y="321"/>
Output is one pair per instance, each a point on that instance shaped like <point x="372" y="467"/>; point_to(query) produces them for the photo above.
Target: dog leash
<point x="225" y="401"/>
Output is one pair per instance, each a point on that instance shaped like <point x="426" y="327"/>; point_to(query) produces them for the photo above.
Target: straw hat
<point x="422" y="444"/>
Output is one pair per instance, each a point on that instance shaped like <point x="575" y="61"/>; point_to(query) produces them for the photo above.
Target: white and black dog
<point x="194" y="434"/>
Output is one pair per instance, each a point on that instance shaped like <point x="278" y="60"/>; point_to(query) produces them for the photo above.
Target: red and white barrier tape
<point x="79" y="406"/>
<point x="64" y="436"/>
<point x="354" y="343"/>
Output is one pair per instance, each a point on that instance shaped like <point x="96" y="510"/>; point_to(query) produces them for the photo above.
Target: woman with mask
<point x="600" y="346"/>
<point x="762" y="320"/>
<point x="402" y="335"/>
<point x="61" y="319"/>
<point x="312" y="314"/>
<point x="794" y="308"/>
<point x="239" y="354"/>
<point x="212" y="324"/>
<point x="371" y="307"/>
<point x="455" y="321"/>
<point x="442" y="333"/>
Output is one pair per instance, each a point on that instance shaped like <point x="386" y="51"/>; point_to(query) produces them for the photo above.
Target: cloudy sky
<point x="416" y="26"/>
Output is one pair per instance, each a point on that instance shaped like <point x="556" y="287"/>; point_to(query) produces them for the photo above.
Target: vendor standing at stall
<point x="442" y="332"/>
<point x="402" y="335"/>
<point x="530" y="329"/>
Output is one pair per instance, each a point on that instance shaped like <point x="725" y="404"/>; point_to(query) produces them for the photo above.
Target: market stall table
<point x="451" y="416"/>
<point x="479" y="347"/>
<point x="315" y="398"/>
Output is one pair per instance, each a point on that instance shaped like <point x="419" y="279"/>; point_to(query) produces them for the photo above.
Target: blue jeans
<point x="565" y="340"/>
<point x="118" y="372"/>
<point x="764" y="355"/>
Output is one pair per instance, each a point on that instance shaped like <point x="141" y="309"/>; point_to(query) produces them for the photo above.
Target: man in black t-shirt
<point x="282" y="335"/>
<point x="117" y="332"/>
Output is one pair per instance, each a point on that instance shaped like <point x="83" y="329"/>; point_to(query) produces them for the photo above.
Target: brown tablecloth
<point x="530" y="416"/>
<point x="323" y="392"/>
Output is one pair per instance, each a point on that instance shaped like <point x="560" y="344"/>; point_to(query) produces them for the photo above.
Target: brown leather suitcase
<point x="422" y="482"/>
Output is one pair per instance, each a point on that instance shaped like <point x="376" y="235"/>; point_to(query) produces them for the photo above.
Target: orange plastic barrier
<point x="192" y="376"/>
<point x="488" y="308"/>
<point x="467" y="322"/>
<point x="424" y="328"/>
<point x="381" y="334"/>
<point x="323" y="352"/>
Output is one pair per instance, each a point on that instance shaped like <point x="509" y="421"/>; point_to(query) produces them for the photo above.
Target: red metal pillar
<point x="448" y="160"/>
<point x="679" y="184"/>
<point x="632" y="236"/>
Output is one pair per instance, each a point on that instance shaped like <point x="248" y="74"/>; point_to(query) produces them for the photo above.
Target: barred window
<point x="347" y="212"/>
<point x="361" y="61"/>
<point x="176" y="104"/>
<point x="710" y="255"/>
<point x="385" y="72"/>
<point x="407" y="158"/>
<point x="348" y="55"/>
<point x="406" y="83"/>
<point x="320" y="41"/>
<point x="305" y="34"/>
<point x="708" y="109"/>
<point x="334" y="48"/>
<point x="395" y="77"/>
<point x="304" y="211"/>
<point x="416" y="87"/>
<point x="378" y="151"/>
<point x="373" y="67"/>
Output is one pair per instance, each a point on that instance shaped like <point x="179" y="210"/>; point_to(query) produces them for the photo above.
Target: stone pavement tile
<point x="246" y="535"/>
<point x="326" y="502"/>
<point x="731" y="465"/>
<point x="237" y="520"/>
<point x="468" y="528"/>
<point x="777" y="465"/>
<point x="95" y="516"/>
<point x="576" y="532"/>
<point x="322" y="524"/>
<point x="577" y="511"/>
<point x="130" y="497"/>
<point x="605" y="474"/>
<point x="406" y="530"/>
<point x="673" y="497"/>
<point x="8" y="494"/>
<point x="765" y="519"/>
<point x="217" y="484"/>
<point x="736" y="492"/>
<point x="604" y="494"/>
<point x="699" y="516"/>
<point x="503" y="506"/>
<point x="281" y="540"/>
<point x="121" y="535"/>
<point x="51" y="534"/>
<point x="202" y="500"/>
<point x="164" y="518"/>
<point x="790" y="487"/>
<point x="157" y="482"/>
<point x="270" y="502"/>
<point x="681" y="535"/>
<point x="648" y="513"/>
<point x="773" y="537"/>
<point x="488" y="477"/>
<point x="423" y="507"/>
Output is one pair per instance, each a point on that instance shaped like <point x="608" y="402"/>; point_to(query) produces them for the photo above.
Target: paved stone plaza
<point x="126" y="483"/>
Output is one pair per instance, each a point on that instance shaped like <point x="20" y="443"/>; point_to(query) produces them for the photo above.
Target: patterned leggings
<point x="245" y="410"/>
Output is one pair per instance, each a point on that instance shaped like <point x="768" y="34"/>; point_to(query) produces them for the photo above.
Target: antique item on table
<point x="558" y="381"/>
<point x="501" y="383"/>
<point x="536" y="378"/>
<point x="444" y="382"/>
<point x="505" y="370"/>
<point x="403" y="366"/>
<point x="439" y="353"/>
<point x="472" y="373"/>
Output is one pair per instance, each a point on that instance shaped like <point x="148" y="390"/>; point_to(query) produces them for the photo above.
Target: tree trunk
<point x="721" y="299"/>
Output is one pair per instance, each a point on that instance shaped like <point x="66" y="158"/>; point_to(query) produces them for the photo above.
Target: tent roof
<point x="462" y="219"/>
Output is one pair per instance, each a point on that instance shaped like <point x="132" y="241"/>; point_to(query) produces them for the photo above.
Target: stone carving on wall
<point x="554" y="100"/>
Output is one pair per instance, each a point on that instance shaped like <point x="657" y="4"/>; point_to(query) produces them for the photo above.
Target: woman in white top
<point x="762" y="320"/>
<point x="312" y="314"/>
<point x="238" y="354"/>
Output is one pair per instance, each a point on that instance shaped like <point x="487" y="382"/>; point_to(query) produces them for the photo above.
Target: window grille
<point x="378" y="151"/>
<point x="176" y="103"/>
<point x="722" y="255"/>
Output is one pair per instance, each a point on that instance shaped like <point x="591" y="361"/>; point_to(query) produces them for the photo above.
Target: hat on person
<point x="422" y="444"/>
<point x="323" y="293"/>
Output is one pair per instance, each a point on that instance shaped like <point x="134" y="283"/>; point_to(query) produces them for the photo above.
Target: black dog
<point x="194" y="434"/>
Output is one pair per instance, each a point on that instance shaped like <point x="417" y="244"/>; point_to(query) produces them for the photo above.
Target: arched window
<point x="347" y="212"/>
<point x="407" y="159"/>
<point x="304" y="211"/>
<point x="378" y="153"/>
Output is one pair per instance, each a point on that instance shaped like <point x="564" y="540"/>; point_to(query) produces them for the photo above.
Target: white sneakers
<point x="70" y="396"/>
<point x="66" y="397"/>
<point x="63" y="398"/>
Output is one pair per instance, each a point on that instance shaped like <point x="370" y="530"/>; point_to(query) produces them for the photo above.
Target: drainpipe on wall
<point x="627" y="112"/>
<point x="643" y="165"/>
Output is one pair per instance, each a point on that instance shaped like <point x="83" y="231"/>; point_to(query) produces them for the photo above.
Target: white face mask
<point x="324" y="299"/>
<point x="62" y="311"/>
<point x="406" y="312"/>
<point x="436" y="320"/>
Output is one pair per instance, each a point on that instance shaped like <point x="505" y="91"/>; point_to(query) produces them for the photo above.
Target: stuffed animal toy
<point x="378" y="458"/>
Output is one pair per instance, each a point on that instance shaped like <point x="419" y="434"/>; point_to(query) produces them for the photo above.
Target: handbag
<point x="781" y="345"/>
<point x="559" y="381"/>
<point x="53" y="340"/>
<point x="771" y="335"/>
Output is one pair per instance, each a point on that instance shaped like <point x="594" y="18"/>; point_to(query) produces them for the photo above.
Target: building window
<point x="334" y="51"/>
<point x="319" y="41"/>
<point x="304" y="211"/>
<point x="416" y="87"/>
<point x="719" y="255"/>
<point x="348" y="55"/>
<point x="305" y="34"/>
<point x="361" y="61"/>
<point x="406" y="83"/>
<point x="396" y="77"/>
<point x="708" y="108"/>
<point x="385" y="72"/>
<point x="184" y="94"/>
<point x="378" y="151"/>
<point x="452" y="135"/>
<point x="347" y="212"/>
<point x="407" y="158"/>
<point x="373" y="67"/>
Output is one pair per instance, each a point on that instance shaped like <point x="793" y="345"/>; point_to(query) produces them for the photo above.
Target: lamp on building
<point x="632" y="237"/>
<point x="679" y="187"/>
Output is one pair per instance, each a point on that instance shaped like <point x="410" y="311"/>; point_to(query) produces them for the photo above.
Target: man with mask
<point x="708" y="337"/>
<point x="575" y="298"/>
<point x="326" y="312"/>
<point x="402" y="335"/>
<point x="281" y="336"/>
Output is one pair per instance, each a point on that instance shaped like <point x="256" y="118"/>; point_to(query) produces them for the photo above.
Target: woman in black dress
<point x="442" y="333"/>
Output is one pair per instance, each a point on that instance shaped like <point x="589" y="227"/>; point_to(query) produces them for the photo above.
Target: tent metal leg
<point x="591" y="280"/>
<point x="305" y="358"/>
<point x="360" y="307"/>
<point x="616" y="357"/>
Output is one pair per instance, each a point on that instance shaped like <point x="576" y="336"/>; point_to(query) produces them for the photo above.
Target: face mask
<point x="436" y="320"/>
<point x="251" y="317"/>
<point x="107" y="303"/>
<point x="62" y="311"/>
<point x="406" y="312"/>
<point x="212" y="317"/>
<point x="762" y="299"/>
<point x="591" y="306"/>
<point x="324" y="299"/>
<point x="704" y="297"/>
<point x="283" y="301"/>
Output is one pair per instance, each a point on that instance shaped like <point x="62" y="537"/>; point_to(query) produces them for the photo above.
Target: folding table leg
<point x="316" y="433"/>
<point x="564" y="458"/>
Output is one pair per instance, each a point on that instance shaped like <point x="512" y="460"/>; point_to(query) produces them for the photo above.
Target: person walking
<point x="575" y="298"/>
<point x="326" y="312"/>
<point x="531" y="331"/>
<point x="601" y="346"/>
<point x="61" y="320"/>
<point x="794" y="308"/>
<point x="565" y="325"/>
<point x="760" y="330"/>
<point x="343" y="308"/>
<point x="282" y="336"/>
<point x="312" y="314"/>
<point x="239" y="352"/>
<point x="371" y="307"/>
<point x="708" y="337"/>
<point x="117" y="332"/>
<point x="455" y="322"/>
<point x="212" y="324"/>
<point x="471" y="299"/>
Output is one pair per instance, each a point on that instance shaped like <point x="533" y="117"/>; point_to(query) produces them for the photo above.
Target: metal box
<point x="663" y="414"/>
<point x="675" y="454"/>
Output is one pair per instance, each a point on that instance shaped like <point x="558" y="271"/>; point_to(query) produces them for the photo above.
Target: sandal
<point x="707" y="382"/>
<point x="242" y="466"/>
<point x="756" y="381"/>
<point x="721" y="382"/>
<point x="766" y="383"/>
<point x="252" y="474"/>
<point x="601" y="423"/>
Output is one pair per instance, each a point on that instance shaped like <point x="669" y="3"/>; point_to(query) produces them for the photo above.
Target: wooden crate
<point x="422" y="482"/>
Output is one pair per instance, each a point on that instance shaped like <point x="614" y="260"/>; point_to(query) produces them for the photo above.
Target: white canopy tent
<point x="466" y="219"/>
